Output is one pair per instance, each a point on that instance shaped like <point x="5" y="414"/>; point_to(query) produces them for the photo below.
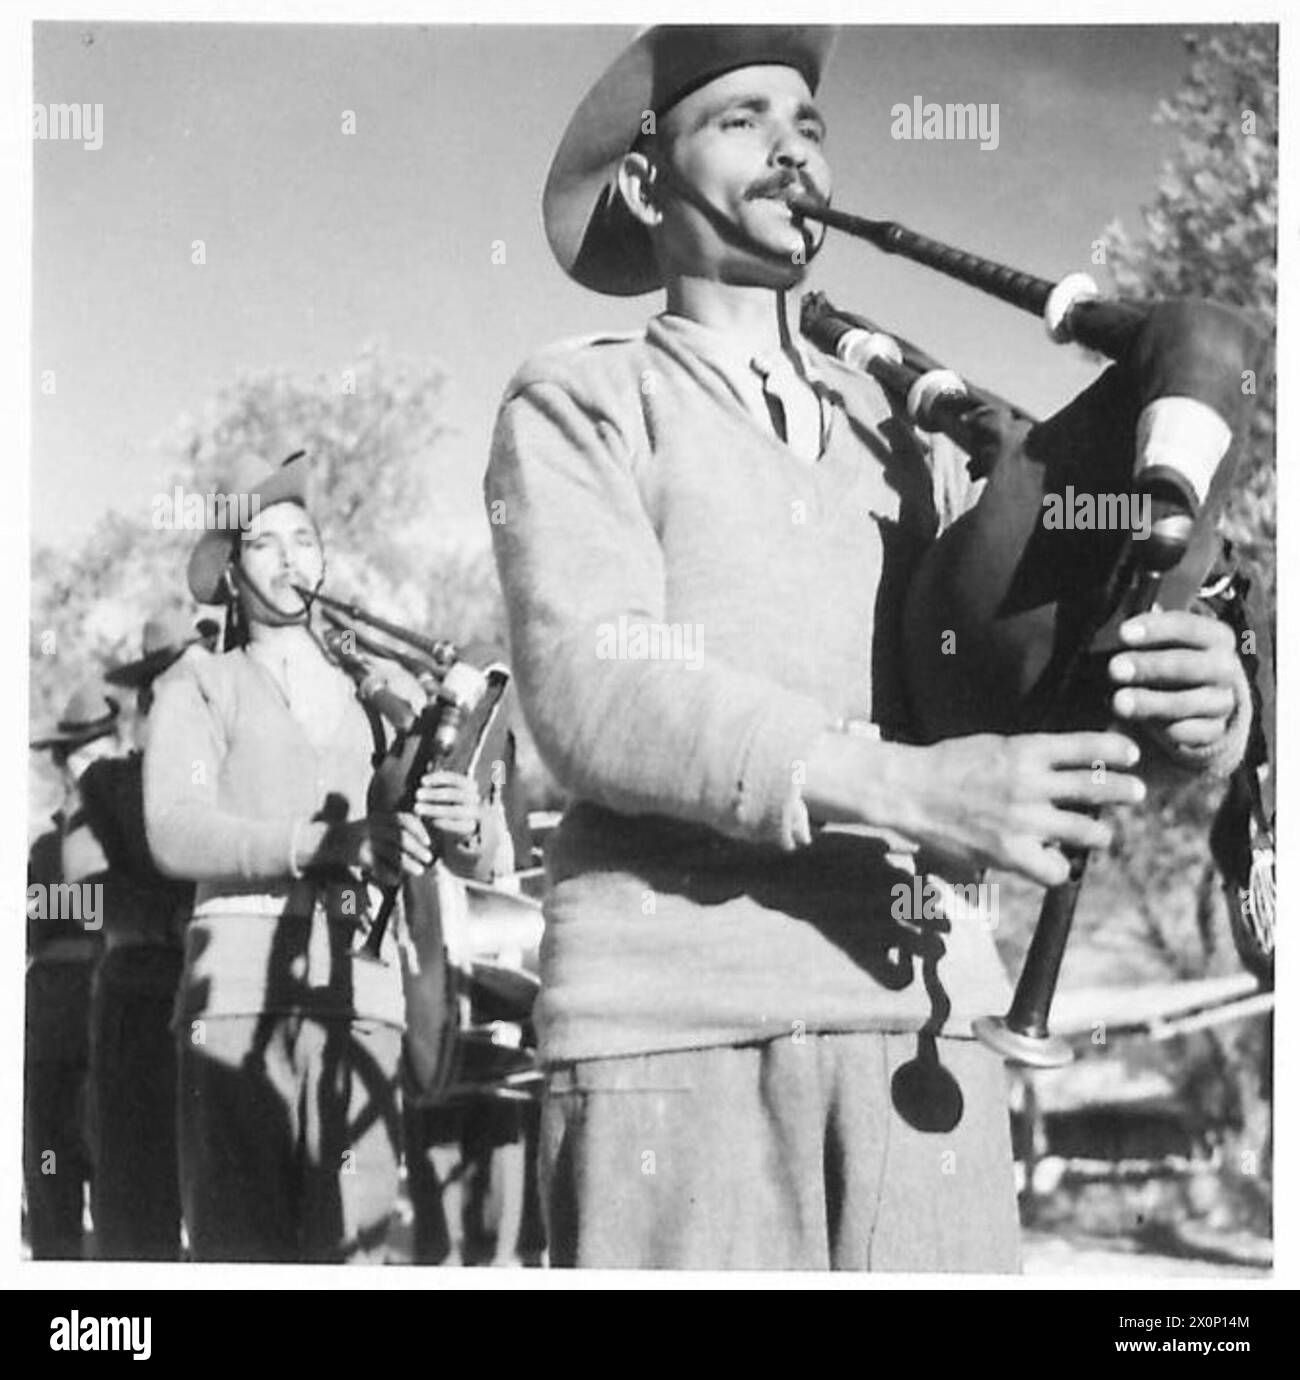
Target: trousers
<point x="136" y="1198"/>
<point x="56" y="1163"/>
<point x="471" y="1171"/>
<point x="290" y="1137"/>
<point x="846" y="1151"/>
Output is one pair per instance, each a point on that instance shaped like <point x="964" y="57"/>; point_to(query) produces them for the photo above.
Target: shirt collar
<point x="722" y="350"/>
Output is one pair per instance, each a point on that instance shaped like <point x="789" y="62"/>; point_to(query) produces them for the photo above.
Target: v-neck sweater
<point x="630" y="484"/>
<point x="229" y="774"/>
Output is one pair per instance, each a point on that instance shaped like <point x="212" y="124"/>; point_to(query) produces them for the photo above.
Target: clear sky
<point x="318" y="241"/>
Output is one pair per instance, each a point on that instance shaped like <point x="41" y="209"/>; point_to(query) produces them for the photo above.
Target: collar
<point x="723" y="350"/>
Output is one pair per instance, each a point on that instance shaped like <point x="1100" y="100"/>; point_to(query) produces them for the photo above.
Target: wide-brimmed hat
<point x="90" y="714"/>
<point x="262" y="488"/>
<point x="165" y="637"/>
<point x="594" y="237"/>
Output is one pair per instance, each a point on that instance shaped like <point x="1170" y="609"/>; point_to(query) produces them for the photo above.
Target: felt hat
<point x="593" y="236"/>
<point x="89" y="714"/>
<point x="261" y="488"/>
<point x="165" y="637"/>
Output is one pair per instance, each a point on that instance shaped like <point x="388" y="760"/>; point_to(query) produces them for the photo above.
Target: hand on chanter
<point x="1016" y="802"/>
<point x="450" y="803"/>
<point x="1180" y="678"/>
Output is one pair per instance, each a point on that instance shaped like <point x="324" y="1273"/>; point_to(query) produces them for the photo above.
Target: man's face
<point x="743" y="143"/>
<point x="280" y="549"/>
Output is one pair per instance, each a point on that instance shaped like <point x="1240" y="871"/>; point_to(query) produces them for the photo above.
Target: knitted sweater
<point x="228" y="773"/>
<point x="691" y="604"/>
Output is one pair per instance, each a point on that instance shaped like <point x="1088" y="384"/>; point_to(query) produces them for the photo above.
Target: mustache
<point x="780" y="183"/>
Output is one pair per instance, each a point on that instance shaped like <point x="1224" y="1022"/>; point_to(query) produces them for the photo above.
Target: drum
<point x="472" y="982"/>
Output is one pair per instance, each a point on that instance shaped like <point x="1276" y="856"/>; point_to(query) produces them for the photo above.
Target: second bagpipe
<point x="469" y="951"/>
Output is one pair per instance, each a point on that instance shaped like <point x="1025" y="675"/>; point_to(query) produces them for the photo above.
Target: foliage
<point x="373" y="434"/>
<point x="1211" y="230"/>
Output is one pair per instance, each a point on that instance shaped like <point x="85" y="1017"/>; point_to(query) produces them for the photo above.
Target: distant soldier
<point x="63" y="917"/>
<point x="136" y="1199"/>
<point x="257" y="774"/>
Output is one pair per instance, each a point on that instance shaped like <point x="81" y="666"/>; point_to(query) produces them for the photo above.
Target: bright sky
<point x="319" y="241"/>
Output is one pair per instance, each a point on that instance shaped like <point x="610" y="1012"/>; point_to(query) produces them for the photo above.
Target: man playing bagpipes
<point x="258" y="776"/>
<point x="705" y="534"/>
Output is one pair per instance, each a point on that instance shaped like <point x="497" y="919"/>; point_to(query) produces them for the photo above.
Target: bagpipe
<point x="469" y="951"/>
<point x="1010" y="619"/>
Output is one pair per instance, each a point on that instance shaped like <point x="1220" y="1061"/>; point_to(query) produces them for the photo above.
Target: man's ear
<point x="636" y="185"/>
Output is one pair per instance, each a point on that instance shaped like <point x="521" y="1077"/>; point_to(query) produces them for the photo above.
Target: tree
<point x="1210" y="232"/>
<point x="373" y="432"/>
<point x="1152" y="910"/>
<point x="1212" y="229"/>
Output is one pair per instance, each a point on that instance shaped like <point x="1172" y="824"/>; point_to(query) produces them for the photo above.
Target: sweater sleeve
<point x="190" y="834"/>
<point x="112" y="791"/>
<point x="697" y="739"/>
